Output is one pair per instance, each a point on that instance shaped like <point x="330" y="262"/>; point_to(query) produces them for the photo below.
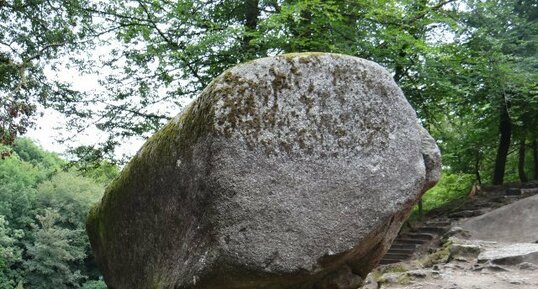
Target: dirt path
<point x="461" y="275"/>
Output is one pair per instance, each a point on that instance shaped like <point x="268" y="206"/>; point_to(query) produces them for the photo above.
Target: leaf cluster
<point x="43" y="207"/>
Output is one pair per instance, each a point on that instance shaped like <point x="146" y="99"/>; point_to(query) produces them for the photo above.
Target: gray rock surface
<point x="464" y="250"/>
<point x="517" y="222"/>
<point x="511" y="254"/>
<point x="294" y="171"/>
<point x="527" y="266"/>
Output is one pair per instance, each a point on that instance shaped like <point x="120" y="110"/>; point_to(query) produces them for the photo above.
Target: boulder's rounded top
<point x="309" y="104"/>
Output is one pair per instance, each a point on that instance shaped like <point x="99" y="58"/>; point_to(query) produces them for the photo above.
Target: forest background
<point x="468" y="67"/>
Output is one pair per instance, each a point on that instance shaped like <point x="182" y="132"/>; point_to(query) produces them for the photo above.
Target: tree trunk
<point x="505" y="130"/>
<point x="477" y="168"/>
<point x="535" y="158"/>
<point x="399" y="70"/>
<point x="521" y="161"/>
<point x="252" y="13"/>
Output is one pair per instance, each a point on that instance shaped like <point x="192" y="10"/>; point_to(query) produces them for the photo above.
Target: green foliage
<point x="501" y="84"/>
<point x="451" y="187"/>
<point x="71" y="195"/>
<point x="465" y="66"/>
<point x="33" y="34"/>
<point x="103" y="173"/>
<point x="31" y="153"/>
<point x="43" y="243"/>
<point x="10" y="254"/>
<point x="50" y="255"/>
<point x="17" y="191"/>
<point x="94" y="284"/>
<point x="181" y="46"/>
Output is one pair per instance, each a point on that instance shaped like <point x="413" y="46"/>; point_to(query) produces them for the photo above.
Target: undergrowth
<point x="451" y="187"/>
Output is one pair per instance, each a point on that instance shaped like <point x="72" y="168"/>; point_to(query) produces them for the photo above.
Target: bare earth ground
<point x="497" y="250"/>
<point x="460" y="275"/>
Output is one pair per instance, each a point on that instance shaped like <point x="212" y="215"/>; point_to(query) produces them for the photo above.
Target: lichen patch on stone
<point x="307" y="112"/>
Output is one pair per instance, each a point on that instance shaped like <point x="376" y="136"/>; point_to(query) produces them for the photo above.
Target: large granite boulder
<point x="293" y="171"/>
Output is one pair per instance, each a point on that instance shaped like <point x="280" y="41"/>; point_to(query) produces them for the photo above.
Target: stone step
<point x="433" y="229"/>
<point x="479" y="206"/>
<point x="530" y="185"/>
<point x="397" y="256"/>
<point x="512" y="191"/>
<point x="400" y="246"/>
<point x="409" y="241"/>
<point x="465" y="214"/>
<point x="446" y="223"/>
<point x="421" y="236"/>
<point x="401" y="251"/>
<point x="530" y="191"/>
<point x="500" y="199"/>
<point x="389" y="261"/>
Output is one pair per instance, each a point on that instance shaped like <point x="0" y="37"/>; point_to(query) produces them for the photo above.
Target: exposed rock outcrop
<point x="293" y="171"/>
<point x="511" y="254"/>
<point x="517" y="222"/>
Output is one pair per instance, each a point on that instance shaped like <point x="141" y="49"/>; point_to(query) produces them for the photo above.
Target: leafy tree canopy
<point x="43" y="206"/>
<point x="468" y="67"/>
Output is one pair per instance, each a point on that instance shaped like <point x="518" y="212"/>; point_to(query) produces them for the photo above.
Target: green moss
<point x="394" y="268"/>
<point x="440" y="256"/>
<point x="308" y="57"/>
<point x="280" y="79"/>
<point x="250" y="104"/>
<point x="174" y="141"/>
<point x="398" y="270"/>
<point x="94" y="224"/>
<point x="339" y="73"/>
<point x="294" y="69"/>
<point x="305" y="55"/>
<point x="98" y="224"/>
<point x="237" y="107"/>
<point x="402" y="279"/>
<point x="340" y="132"/>
<point x="311" y="88"/>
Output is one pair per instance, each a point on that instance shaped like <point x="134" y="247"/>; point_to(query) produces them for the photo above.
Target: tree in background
<point x="168" y="50"/>
<point x="464" y="65"/>
<point x="50" y="255"/>
<point x="33" y="34"/>
<point x="502" y="41"/>
<point x="10" y="254"/>
<point x="43" y="205"/>
<point x="72" y="195"/>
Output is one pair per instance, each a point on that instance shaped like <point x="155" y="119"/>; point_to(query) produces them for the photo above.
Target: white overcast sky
<point x="51" y="126"/>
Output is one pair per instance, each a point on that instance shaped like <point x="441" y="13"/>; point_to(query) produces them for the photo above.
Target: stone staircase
<point x="408" y="243"/>
<point x="417" y="238"/>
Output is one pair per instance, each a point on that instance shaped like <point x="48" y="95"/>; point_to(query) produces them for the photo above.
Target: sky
<point x="51" y="125"/>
